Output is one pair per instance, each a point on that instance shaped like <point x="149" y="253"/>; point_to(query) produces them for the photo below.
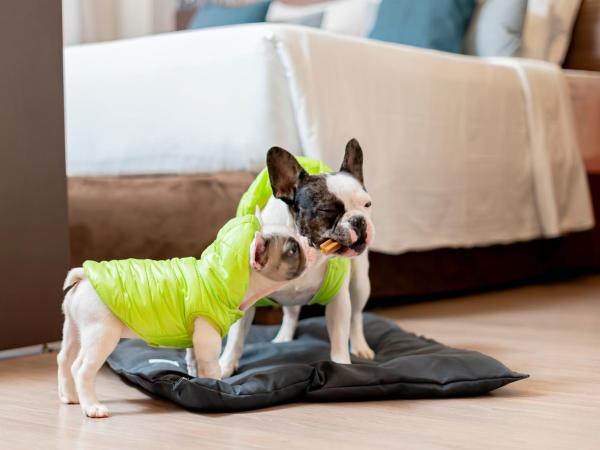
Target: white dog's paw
<point x="342" y="358"/>
<point x="280" y="338"/>
<point x="228" y="368"/>
<point x="96" y="411"/>
<point x="67" y="394"/>
<point x="213" y="375"/>
<point x="363" y="351"/>
<point x="192" y="370"/>
<point x="69" y="399"/>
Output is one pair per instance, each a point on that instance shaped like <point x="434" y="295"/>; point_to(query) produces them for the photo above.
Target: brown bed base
<point x="167" y="216"/>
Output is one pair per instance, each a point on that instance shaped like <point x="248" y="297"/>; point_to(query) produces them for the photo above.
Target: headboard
<point x="584" y="51"/>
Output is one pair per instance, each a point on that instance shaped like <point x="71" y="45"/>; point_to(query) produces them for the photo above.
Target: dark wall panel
<point x="33" y="210"/>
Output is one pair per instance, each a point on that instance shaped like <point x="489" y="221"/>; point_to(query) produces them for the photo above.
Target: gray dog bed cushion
<point x="406" y="366"/>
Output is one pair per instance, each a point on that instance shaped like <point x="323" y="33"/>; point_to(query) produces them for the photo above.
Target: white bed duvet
<point x="459" y="151"/>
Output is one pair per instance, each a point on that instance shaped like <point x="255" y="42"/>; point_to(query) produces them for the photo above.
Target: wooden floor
<point x="549" y="331"/>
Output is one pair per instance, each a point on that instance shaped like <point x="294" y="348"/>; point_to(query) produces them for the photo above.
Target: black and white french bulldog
<point x="326" y="206"/>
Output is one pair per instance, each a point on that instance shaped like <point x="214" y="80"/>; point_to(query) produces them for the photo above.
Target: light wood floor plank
<point x="550" y="331"/>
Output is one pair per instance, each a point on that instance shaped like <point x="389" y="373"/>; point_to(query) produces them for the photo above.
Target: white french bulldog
<point x="326" y="206"/>
<point x="91" y="331"/>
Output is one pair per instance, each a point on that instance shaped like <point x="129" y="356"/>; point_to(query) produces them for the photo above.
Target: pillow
<point x="215" y="16"/>
<point x="496" y="28"/>
<point x="548" y="27"/>
<point x="312" y="20"/>
<point x="406" y="366"/>
<point x="350" y="17"/>
<point x="436" y="24"/>
<point x="282" y="12"/>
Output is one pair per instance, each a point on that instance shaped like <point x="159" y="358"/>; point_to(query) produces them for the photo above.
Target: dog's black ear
<point x="285" y="174"/>
<point x="353" y="160"/>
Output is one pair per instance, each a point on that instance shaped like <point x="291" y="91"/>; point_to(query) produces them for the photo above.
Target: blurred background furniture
<point x="584" y="51"/>
<point x="166" y="215"/>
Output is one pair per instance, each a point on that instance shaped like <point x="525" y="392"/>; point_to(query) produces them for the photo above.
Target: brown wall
<point x="584" y="51"/>
<point x="33" y="217"/>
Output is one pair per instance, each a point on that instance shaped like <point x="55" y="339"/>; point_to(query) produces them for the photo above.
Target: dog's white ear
<point x="258" y="214"/>
<point x="258" y="257"/>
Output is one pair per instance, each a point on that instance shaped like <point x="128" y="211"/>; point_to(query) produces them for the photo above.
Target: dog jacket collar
<point x="258" y="194"/>
<point x="159" y="300"/>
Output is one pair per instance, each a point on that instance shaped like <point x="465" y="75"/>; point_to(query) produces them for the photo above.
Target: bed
<point x="170" y="156"/>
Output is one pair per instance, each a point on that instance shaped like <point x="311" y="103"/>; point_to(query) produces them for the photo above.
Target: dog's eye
<point x="368" y="205"/>
<point x="327" y="211"/>
<point x="292" y="248"/>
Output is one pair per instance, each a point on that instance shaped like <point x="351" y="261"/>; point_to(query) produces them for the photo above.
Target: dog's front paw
<point x="342" y="358"/>
<point x="214" y="373"/>
<point x="280" y="338"/>
<point x="285" y="334"/>
<point x="67" y="394"/>
<point x="190" y="362"/>
<point x="363" y="351"/>
<point x="228" y="368"/>
<point x="70" y="399"/>
<point x="96" y="411"/>
<point x="192" y="370"/>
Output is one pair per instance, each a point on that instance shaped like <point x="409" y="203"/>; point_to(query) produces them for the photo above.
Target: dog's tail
<point x="73" y="277"/>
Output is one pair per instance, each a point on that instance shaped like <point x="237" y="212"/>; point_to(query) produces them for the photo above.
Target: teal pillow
<point x="216" y="16"/>
<point x="437" y="24"/>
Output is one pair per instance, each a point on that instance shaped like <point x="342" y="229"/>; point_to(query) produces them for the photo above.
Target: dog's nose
<point x="359" y="224"/>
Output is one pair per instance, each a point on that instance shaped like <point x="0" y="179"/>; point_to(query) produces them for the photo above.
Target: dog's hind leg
<point x="65" y="358"/>
<point x="289" y="324"/>
<point x="360" y="290"/>
<point x="97" y="343"/>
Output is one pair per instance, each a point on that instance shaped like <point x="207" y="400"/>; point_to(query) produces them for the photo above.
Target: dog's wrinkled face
<point x="326" y="206"/>
<point x="279" y="253"/>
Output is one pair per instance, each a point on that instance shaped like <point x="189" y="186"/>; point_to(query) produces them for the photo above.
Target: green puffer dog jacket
<point x="258" y="194"/>
<point x="159" y="300"/>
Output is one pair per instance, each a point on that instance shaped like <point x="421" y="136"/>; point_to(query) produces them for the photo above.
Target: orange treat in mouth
<point x="330" y="246"/>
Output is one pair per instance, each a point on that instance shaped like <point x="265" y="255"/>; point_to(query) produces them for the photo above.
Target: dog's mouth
<point x="348" y="250"/>
<point x="353" y="250"/>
